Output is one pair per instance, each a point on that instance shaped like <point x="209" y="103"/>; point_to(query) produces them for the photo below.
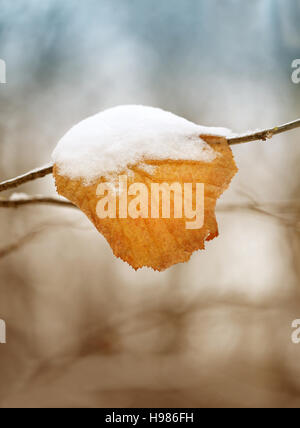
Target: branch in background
<point x="278" y="210"/>
<point x="37" y="231"/>
<point x="265" y="207"/>
<point x="19" y="243"/>
<point x="34" y="200"/>
<point x="288" y="213"/>
<point x="257" y="135"/>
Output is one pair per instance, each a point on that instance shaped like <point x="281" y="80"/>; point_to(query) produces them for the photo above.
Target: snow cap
<point x="111" y="141"/>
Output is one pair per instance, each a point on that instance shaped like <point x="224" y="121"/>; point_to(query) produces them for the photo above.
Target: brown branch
<point x="264" y="134"/>
<point x="25" y="178"/>
<point x="278" y="210"/>
<point x="18" y="244"/>
<point x="275" y="209"/>
<point x="34" y="200"/>
<point x="254" y="136"/>
<point x="31" y="235"/>
<point x="288" y="213"/>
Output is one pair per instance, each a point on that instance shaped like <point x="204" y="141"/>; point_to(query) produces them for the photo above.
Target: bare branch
<point x="19" y="243"/>
<point x="34" y="200"/>
<point x="264" y="134"/>
<point x="288" y="213"/>
<point x="276" y="207"/>
<point x="25" y="178"/>
<point x="38" y="230"/>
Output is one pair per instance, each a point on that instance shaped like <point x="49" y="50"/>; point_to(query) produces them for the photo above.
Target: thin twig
<point x="264" y="134"/>
<point x="254" y="136"/>
<point x="287" y="207"/>
<point x="288" y="213"/>
<point x="25" y="178"/>
<point x="39" y="229"/>
<point x="18" y="244"/>
<point x="275" y="209"/>
<point x="278" y="210"/>
<point x="34" y="200"/>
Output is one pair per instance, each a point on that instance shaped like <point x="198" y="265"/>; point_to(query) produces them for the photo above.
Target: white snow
<point x="114" y="139"/>
<point x="15" y="197"/>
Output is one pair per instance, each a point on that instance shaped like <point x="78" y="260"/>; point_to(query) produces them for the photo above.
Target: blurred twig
<point x="19" y="243"/>
<point x="34" y="200"/>
<point x="37" y="231"/>
<point x="266" y="207"/>
<point x="288" y="212"/>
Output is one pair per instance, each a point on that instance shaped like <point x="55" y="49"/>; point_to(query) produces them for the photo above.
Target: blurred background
<point x="83" y="328"/>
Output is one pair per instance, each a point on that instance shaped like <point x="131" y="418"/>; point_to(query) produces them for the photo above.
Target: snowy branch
<point x="25" y="178"/>
<point x="238" y="139"/>
<point x="264" y="134"/>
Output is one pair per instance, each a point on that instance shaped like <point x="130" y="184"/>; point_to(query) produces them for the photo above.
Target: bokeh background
<point x="84" y="329"/>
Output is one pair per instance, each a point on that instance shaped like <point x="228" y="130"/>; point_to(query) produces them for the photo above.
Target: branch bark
<point x="264" y="134"/>
<point x="276" y="209"/>
<point x="25" y="178"/>
<point x="239" y="139"/>
<point x="35" y="200"/>
<point x="18" y="244"/>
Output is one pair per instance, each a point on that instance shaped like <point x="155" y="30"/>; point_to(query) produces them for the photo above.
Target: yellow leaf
<point x="154" y="242"/>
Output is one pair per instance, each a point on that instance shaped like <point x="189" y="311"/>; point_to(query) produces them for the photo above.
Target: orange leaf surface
<point x="158" y="242"/>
